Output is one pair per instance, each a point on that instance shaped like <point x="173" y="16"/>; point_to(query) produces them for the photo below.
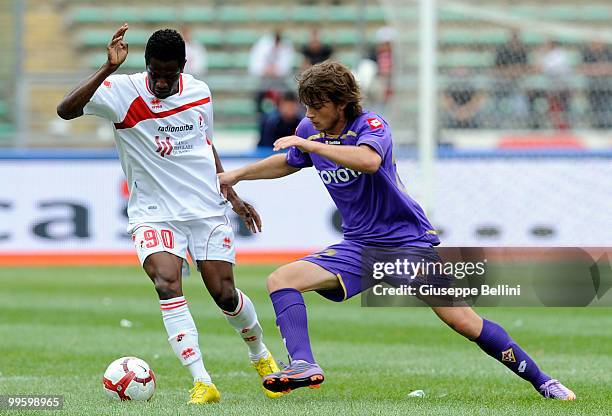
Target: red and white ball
<point x="129" y="378"/>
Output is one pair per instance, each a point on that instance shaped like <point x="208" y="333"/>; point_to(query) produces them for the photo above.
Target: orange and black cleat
<point x="297" y="374"/>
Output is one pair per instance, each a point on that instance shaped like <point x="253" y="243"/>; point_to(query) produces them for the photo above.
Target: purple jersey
<point x="375" y="208"/>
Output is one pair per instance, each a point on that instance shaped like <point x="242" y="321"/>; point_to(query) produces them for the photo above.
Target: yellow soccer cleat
<point x="203" y="393"/>
<point x="264" y="367"/>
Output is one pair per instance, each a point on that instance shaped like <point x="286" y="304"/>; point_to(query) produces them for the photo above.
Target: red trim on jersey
<point x="140" y="111"/>
<point x="180" y="84"/>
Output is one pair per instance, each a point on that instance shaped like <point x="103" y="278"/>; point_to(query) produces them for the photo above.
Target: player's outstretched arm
<point x="360" y="158"/>
<point x="73" y="103"/>
<point x="270" y="168"/>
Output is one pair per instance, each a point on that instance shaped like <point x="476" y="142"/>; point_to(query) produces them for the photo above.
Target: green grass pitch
<point x="59" y="328"/>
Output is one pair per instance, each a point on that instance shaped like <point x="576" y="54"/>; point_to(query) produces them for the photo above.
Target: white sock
<point x="244" y="320"/>
<point x="183" y="336"/>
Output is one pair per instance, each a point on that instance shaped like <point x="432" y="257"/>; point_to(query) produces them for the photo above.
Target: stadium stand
<point x="228" y="30"/>
<point x="6" y="71"/>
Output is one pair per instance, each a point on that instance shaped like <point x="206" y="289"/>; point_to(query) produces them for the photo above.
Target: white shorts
<point x="204" y="239"/>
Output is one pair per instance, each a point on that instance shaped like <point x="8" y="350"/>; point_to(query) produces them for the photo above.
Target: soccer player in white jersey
<point x="163" y="124"/>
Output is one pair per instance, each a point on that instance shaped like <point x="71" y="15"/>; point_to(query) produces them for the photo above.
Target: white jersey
<point x="165" y="147"/>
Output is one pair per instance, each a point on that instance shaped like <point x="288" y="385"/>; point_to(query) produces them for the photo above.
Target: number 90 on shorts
<point x="204" y="239"/>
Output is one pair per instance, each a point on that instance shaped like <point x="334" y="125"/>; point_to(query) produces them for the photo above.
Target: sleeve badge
<point x="374" y="123"/>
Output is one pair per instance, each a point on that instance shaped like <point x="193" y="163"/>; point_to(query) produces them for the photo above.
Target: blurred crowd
<point x="271" y="59"/>
<point x="525" y="89"/>
<point x="532" y="89"/>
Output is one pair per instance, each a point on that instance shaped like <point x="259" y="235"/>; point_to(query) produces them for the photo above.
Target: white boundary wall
<point x="489" y="201"/>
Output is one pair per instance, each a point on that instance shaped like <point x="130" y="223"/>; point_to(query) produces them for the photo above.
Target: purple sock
<point x="496" y="342"/>
<point x="292" y="321"/>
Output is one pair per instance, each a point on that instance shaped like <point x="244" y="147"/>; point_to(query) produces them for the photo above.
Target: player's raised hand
<point x="117" y="49"/>
<point x="290" y="141"/>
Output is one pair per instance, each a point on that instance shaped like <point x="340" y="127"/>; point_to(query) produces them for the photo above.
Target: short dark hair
<point x="330" y="81"/>
<point x="166" y="45"/>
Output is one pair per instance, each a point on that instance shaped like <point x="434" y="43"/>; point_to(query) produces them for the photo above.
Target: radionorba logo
<point x="174" y="129"/>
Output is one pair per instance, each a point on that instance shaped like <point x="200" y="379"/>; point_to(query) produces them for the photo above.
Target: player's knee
<point x="167" y="282"/>
<point x="167" y="289"/>
<point x="226" y="297"/>
<point x="277" y="280"/>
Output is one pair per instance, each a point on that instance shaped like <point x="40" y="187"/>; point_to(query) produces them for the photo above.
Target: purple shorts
<point x="345" y="261"/>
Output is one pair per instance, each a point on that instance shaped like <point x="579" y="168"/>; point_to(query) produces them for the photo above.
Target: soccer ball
<point x="129" y="378"/>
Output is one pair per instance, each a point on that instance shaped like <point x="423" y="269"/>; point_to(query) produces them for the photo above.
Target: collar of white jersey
<point x="146" y="82"/>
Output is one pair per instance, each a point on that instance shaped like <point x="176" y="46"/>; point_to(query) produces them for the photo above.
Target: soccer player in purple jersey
<point x="351" y="149"/>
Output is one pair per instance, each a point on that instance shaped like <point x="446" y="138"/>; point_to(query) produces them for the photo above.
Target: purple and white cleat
<point x="553" y="389"/>
<point x="297" y="374"/>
